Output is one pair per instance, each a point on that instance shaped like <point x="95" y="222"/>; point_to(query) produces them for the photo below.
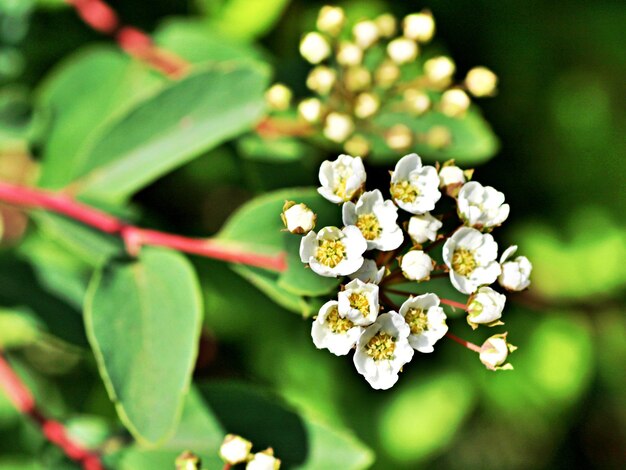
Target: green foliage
<point x="143" y="322"/>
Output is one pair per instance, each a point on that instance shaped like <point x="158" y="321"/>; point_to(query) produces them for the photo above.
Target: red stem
<point x="452" y="303"/>
<point x="21" y="397"/>
<point x="135" y="237"/>
<point x="462" y="342"/>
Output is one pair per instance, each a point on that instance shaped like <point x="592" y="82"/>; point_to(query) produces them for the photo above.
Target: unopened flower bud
<point x="366" y="105"/>
<point x="278" y="97"/>
<point x="263" y="461"/>
<point x="387" y="74"/>
<point x="451" y="175"/>
<point x="314" y="47"/>
<point x="298" y="218"/>
<point x="423" y="227"/>
<point x="235" y="449"/>
<point x="417" y="101"/>
<point x="494" y="352"/>
<point x="365" y="33"/>
<point x="357" y="145"/>
<point x="386" y="24"/>
<point x="330" y="20"/>
<point x="485" y="308"/>
<point x="187" y="461"/>
<point x="438" y="137"/>
<point x="515" y="273"/>
<point x="338" y="127"/>
<point x="349" y="54"/>
<point x="419" y="26"/>
<point x="402" y="50"/>
<point x="454" y="102"/>
<point x="439" y="71"/>
<point x="481" y="81"/>
<point x="310" y="109"/>
<point x="358" y="78"/>
<point x="399" y="137"/>
<point x="416" y="265"/>
<point x="321" y="79"/>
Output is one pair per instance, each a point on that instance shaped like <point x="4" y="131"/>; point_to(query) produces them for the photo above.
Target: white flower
<point x="485" y="308"/>
<point x="383" y="349"/>
<point x="334" y="331"/>
<point x="416" y="265"/>
<point x="310" y="109"/>
<point x="480" y="81"/>
<point x="399" y="137"/>
<point x="366" y="105"/>
<point x="423" y="227"/>
<point x="359" y="302"/>
<point x="264" y="461"/>
<point x="515" y="274"/>
<point x="426" y="320"/>
<point x="235" y="449"/>
<point x="314" y="47"/>
<point x="342" y="178"/>
<point x="330" y="20"/>
<point x="439" y="70"/>
<point x="357" y="145"/>
<point x="369" y="272"/>
<point x="494" y="352"/>
<point x="471" y="257"/>
<point x="278" y="97"/>
<point x="365" y="33"/>
<point x="414" y="187"/>
<point x="338" y="127"/>
<point x="419" y="26"/>
<point x="402" y="50"/>
<point x="386" y="24"/>
<point x="481" y="206"/>
<point x="454" y="102"/>
<point x="298" y="218"/>
<point x="376" y="219"/>
<point x="451" y="175"/>
<point x="333" y="252"/>
<point x="349" y="54"/>
<point x="417" y="101"/>
<point x="321" y="79"/>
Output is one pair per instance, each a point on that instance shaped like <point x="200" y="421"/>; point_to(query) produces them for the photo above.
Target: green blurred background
<point x="561" y="117"/>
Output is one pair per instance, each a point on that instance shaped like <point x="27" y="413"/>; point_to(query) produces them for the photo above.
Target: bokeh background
<point x="561" y="117"/>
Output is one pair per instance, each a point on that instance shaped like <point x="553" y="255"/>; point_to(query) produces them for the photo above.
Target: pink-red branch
<point x="453" y="303"/>
<point x="464" y="343"/>
<point x="135" y="237"/>
<point x="21" y="397"/>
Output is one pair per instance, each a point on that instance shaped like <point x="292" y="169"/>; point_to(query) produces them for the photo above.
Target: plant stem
<point x="453" y="303"/>
<point x="21" y="397"/>
<point x="136" y="237"/>
<point x="462" y="342"/>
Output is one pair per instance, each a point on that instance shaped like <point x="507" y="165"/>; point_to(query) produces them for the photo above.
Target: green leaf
<point x="473" y="141"/>
<point x="82" y="95"/>
<point x="143" y="323"/>
<point x="176" y="125"/>
<point x="248" y="19"/>
<point x="274" y="149"/>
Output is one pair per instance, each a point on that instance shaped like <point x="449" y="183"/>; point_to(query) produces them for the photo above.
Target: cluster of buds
<point x="236" y="450"/>
<point x="389" y="255"/>
<point x="377" y="67"/>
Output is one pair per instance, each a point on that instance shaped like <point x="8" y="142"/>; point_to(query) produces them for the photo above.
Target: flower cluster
<point x="386" y="311"/>
<point x="237" y="450"/>
<point x="376" y="67"/>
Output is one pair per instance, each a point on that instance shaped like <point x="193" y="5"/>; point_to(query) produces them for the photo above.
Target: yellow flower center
<point x="369" y="226"/>
<point x="380" y="347"/>
<point x="330" y="252"/>
<point x="404" y="191"/>
<point x="417" y="320"/>
<point x="463" y="261"/>
<point x="336" y="323"/>
<point x="341" y="188"/>
<point x="359" y="301"/>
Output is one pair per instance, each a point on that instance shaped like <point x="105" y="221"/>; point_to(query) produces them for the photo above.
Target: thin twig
<point x="464" y="343"/>
<point x="136" y="237"/>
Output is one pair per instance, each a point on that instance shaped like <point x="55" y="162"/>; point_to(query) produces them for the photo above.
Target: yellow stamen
<point x="463" y="261"/>
<point x="336" y="323"/>
<point x="404" y="191"/>
<point x="359" y="301"/>
<point x="380" y="347"/>
<point x="369" y="226"/>
<point x="417" y="320"/>
<point x="330" y="252"/>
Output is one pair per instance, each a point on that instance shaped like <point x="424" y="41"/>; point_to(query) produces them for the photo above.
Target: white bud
<point x="386" y="24"/>
<point x="357" y="145"/>
<point x="310" y="109"/>
<point x="419" y="26"/>
<point x="264" y="461"/>
<point x="481" y="81"/>
<point x="439" y="70"/>
<point x="494" y="352"/>
<point x="278" y="97"/>
<point x="321" y="79"/>
<point x="338" y="127"/>
<point x="365" y="33"/>
<point x="450" y="175"/>
<point x="515" y="273"/>
<point x="330" y="20"/>
<point x="399" y="137"/>
<point x="235" y="449"/>
<point x="454" y="102"/>
<point x="439" y="137"/>
<point x="314" y="48"/>
<point x="416" y="265"/>
<point x="358" y="78"/>
<point x="366" y="105"/>
<point x="387" y="74"/>
<point x="349" y="54"/>
<point x="298" y="218"/>
<point x="417" y="101"/>
<point x="485" y="307"/>
<point x="402" y="50"/>
<point x="423" y="228"/>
